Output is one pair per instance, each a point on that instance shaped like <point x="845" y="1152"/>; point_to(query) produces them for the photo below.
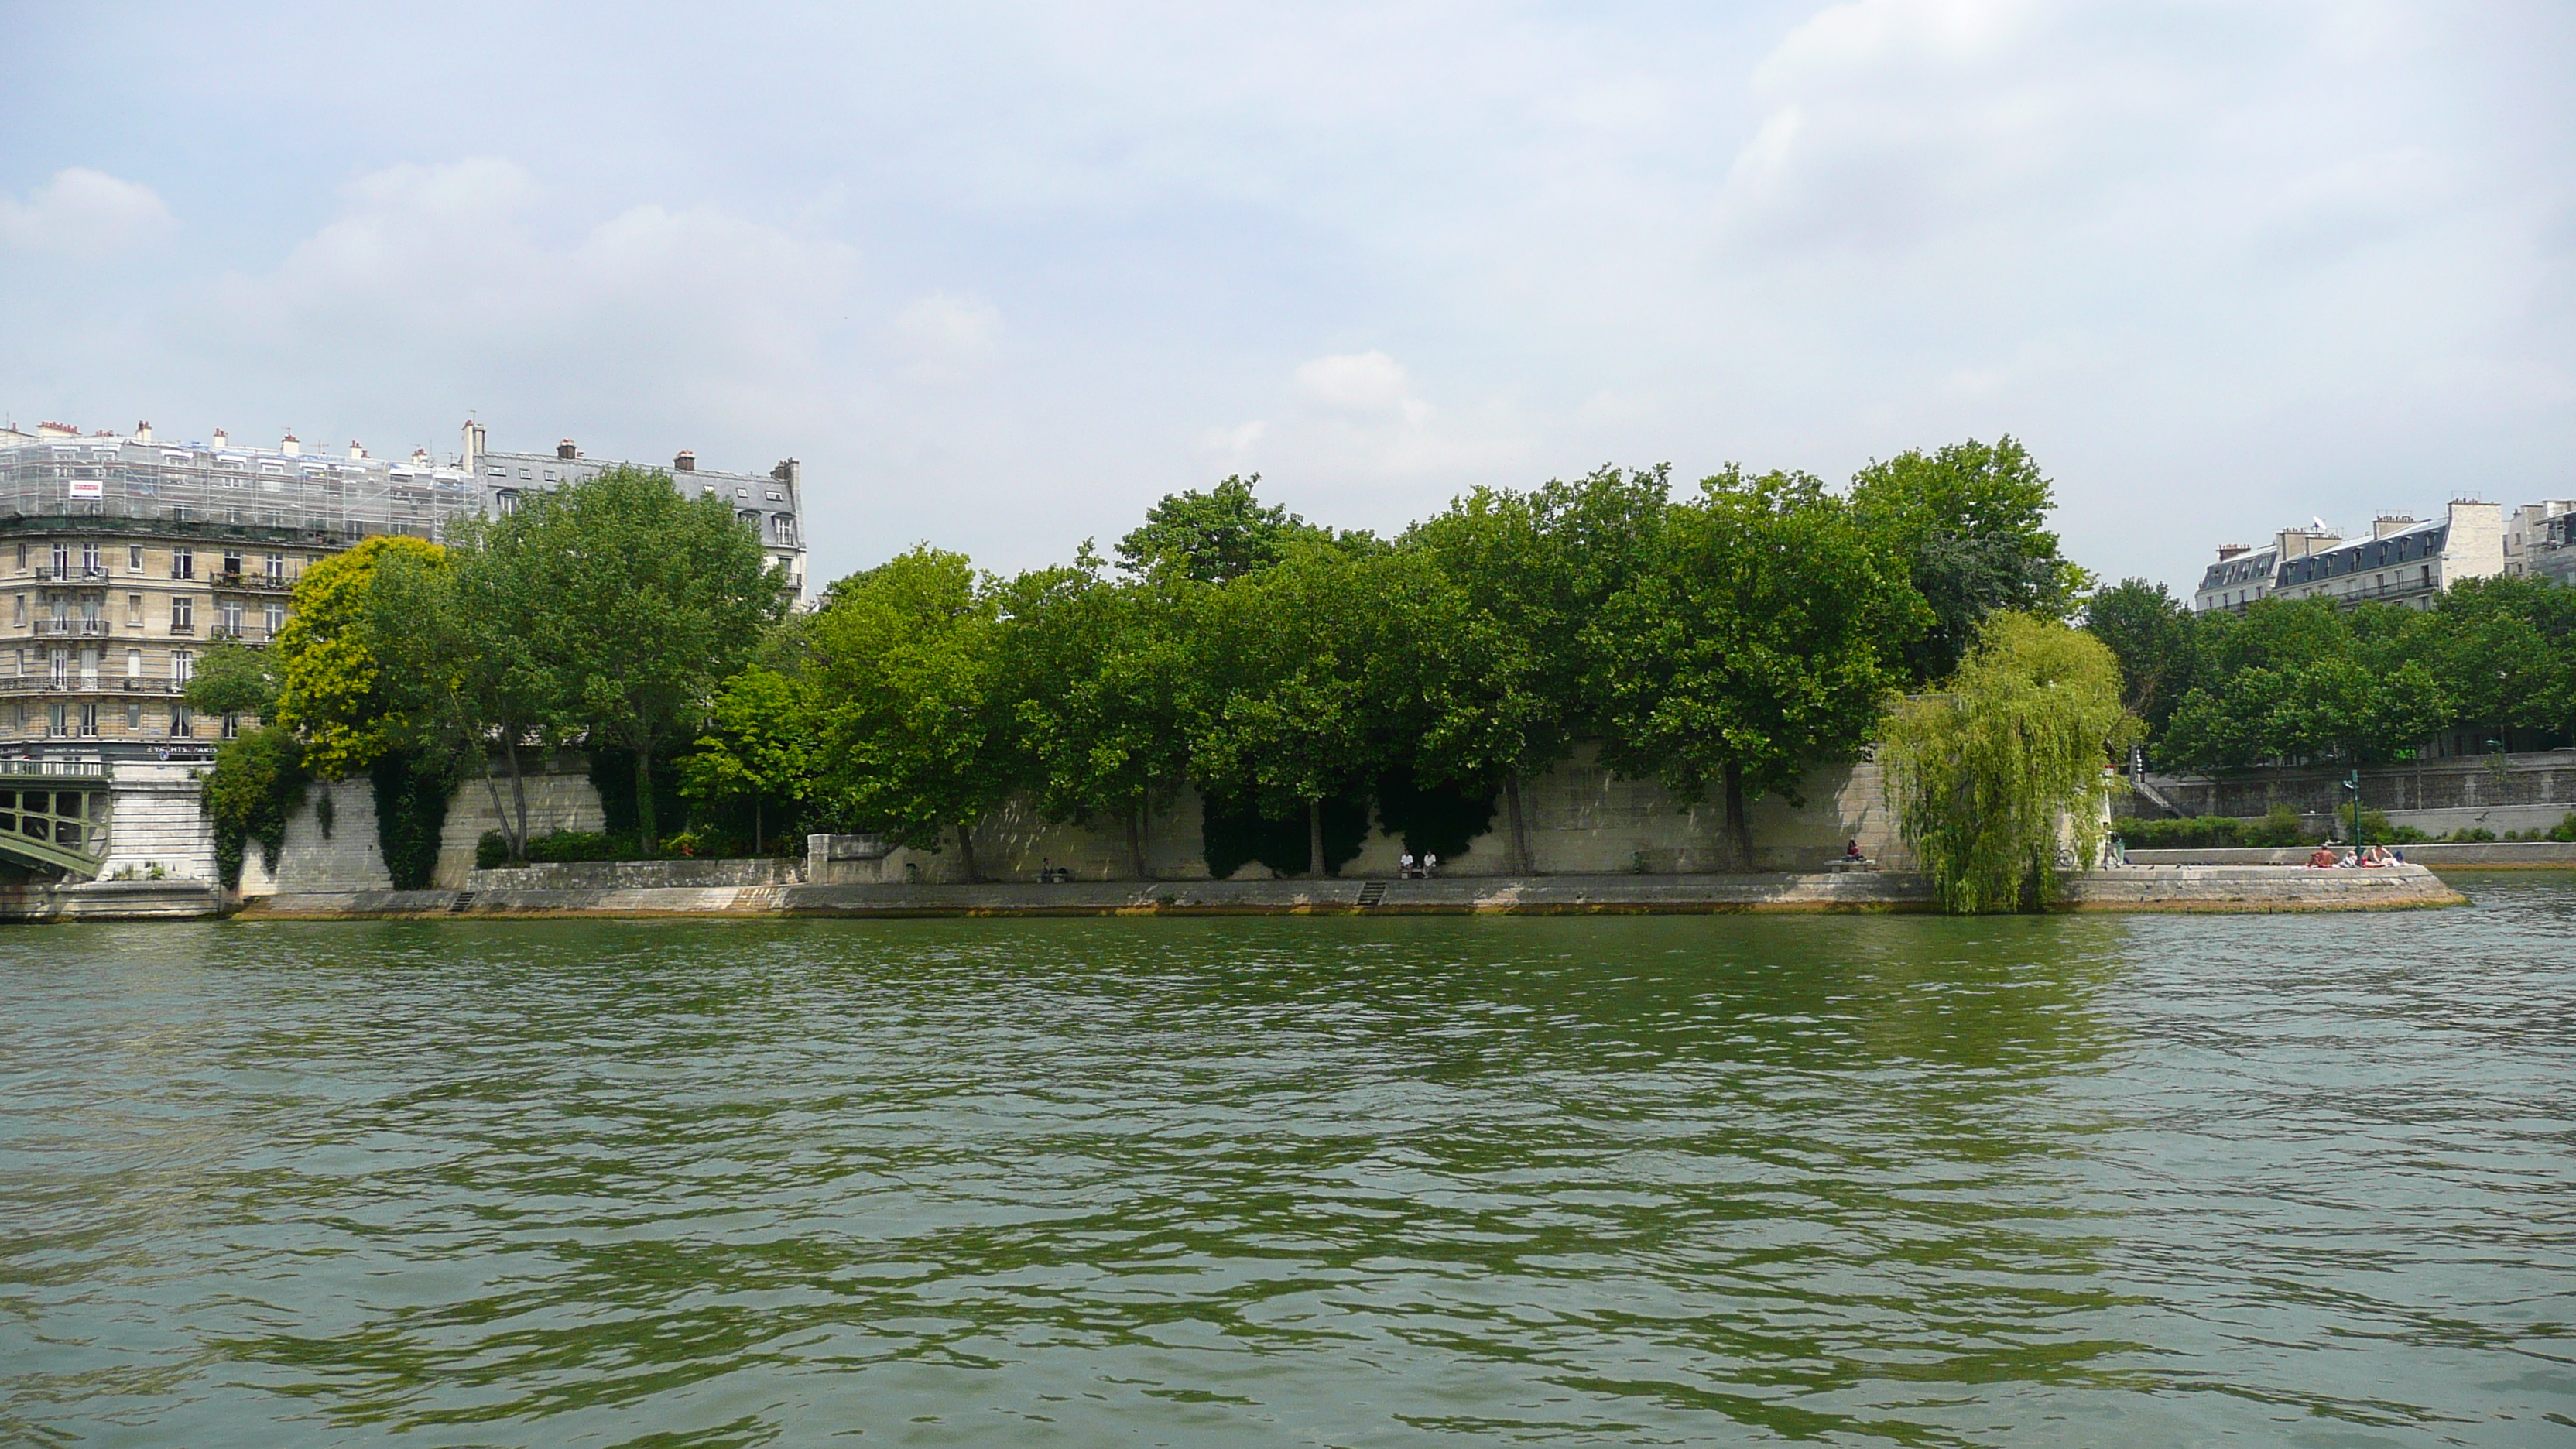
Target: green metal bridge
<point x="53" y="813"/>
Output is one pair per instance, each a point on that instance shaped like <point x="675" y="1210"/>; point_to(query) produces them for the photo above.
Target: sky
<point x="1002" y="275"/>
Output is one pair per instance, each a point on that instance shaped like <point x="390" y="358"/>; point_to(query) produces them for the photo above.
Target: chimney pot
<point x="2228" y="551"/>
<point x="687" y="462"/>
<point x="566" y="451"/>
<point x="143" y="431"/>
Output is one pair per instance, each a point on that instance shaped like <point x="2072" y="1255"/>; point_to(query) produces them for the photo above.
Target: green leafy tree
<point x="1531" y="569"/>
<point x="1309" y="677"/>
<point x="913" y="732"/>
<point x="233" y="678"/>
<point x="1762" y="641"/>
<point x="334" y="692"/>
<point x="1971" y="521"/>
<point x="641" y="602"/>
<point x="1987" y="773"/>
<point x="758" y="746"/>
<point x="2151" y="633"/>
<point x="1098" y="679"/>
<point x="2504" y="650"/>
<point x="1216" y="536"/>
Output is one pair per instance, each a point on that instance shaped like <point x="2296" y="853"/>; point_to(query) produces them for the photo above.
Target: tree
<point x="2150" y="632"/>
<point x="1762" y="640"/>
<point x="913" y="734"/>
<point x="1530" y="569"/>
<point x="233" y="678"/>
<point x="1971" y="521"/>
<point x="1308" y="674"/>
<point x="2336" y="707"/>
<point x="1097" y="678"/>
<point x="758" y="746"/>
<point x="1986" y="773"/>
<point x="2504" y="650"/>
<point x="641" y="601"/>
<point x="333" y="691"/>
<point x="1214" y="537"/>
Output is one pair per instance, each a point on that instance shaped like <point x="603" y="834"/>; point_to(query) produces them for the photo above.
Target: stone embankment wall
<point x="594" y="875"/>
<point x="2531" y="791"/>
<point x="2490" y="855"/>
<point x="1581" y="821"/>
<point x="2187" y="888"/>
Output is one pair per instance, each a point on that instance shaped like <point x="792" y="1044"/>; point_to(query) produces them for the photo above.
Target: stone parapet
<point x="2484" y="855"/>
<point x="633" y="875"/>
<point x="2136" y="888"/>
<point x="118" y="900"/>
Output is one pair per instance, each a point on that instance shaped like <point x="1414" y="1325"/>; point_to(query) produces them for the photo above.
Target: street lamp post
<point x="2352" y="782"/>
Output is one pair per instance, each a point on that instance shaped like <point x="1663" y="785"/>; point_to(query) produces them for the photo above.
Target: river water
<point x="2146" y="1180"/>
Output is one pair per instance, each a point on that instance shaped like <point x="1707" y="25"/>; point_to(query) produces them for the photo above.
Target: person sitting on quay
<point x="2324" y="857"/>
<point x="1404" y="865"/>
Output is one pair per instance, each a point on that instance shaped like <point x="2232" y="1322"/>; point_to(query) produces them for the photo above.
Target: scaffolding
<point x="127" y="485"/>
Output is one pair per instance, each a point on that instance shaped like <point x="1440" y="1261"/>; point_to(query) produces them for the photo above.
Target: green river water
<point x="2099" y="1180"/>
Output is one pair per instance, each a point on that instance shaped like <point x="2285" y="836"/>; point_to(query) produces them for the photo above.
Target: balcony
<point x="72" y="629"/>
<point x="75" y="575"/>
<point x="176" y="627"/>
<point x="239" y="634"/>
<point x="252" y="583"/>
<point x="89" y="684"/>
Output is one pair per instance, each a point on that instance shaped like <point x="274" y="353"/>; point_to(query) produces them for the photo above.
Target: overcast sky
<point x="1002" y="275"/>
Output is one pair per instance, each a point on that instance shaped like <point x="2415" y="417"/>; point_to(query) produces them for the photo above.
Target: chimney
<point x="56" y="430"/>
<point x="355" y="451"/>
<point x="143" y="431"/>
<point x="687" y="462"/>
<point x="789" y="472"/>
<point x="566" y="451"/>
<point x="290" y="447"/>
<point x="2388" y="523"/>
<point x="2228" y="551"/>
<point x="222" y="438"/>
<point x="471" y="459"/>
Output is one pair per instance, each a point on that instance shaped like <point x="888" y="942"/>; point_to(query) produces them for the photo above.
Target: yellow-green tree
<point x="1985" y="774"/>
<point x="333" y="690"/>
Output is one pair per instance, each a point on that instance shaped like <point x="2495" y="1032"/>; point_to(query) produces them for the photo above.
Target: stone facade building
<point x="124" y="556"/>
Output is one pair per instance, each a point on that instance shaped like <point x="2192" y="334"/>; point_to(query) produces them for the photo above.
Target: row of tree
<point x="1723" y="638"/>
<point x="1723" y="641"/>
<point x="2291" y="680"/>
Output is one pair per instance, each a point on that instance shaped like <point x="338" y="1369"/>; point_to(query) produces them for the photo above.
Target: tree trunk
<point x="1315" y="839"/>
<point x="1739" y="836"/>
<point x="755" y="822"/>
<point x="518" y="793"/>
<point x="646" y="835"/>
<point x="1136" y="838"/>
<point x="966" y="850"/>
<point x="1519" y="824"/>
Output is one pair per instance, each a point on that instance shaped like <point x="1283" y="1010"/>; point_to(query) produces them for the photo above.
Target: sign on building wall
<point x="88" y="488"/>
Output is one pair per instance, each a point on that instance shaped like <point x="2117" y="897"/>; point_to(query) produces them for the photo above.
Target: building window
<point x="89" y="720"/>
<point x="183" y="563"/>
<point x="276" y="563"/>
<point x="59" y="662"/>
<point x="232" y="724"/>
<point x="19" y="614"/>
<point x="229" y="612"/>
<point x="134" y="719"/>
<point x="134" y="558"/>
<point x="181" y="726"/>
<point x="183" y="666"/>
<point x="134" y="664"/>
<point x="134" y="608"/>
<point x="89" y="558"/>
<point x="232" y="562"/>
<point x="22" y="558"/>
<point x="183" y="614"/>
<point x="55" y="720"/>
<point x="62" y="559"/>
<point x="784" y="524"/>
<point x="273" y="618"/>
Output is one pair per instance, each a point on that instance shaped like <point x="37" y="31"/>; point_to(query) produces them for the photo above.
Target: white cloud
<point x="1362" y="382"/>
<point x="449" y="277"/>
<point x="81" y="212"/>
<point x="943" y="338"/>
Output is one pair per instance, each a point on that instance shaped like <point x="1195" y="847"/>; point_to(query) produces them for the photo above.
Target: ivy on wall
<point x="258" y="780"/>
<point x="411" y="809"/>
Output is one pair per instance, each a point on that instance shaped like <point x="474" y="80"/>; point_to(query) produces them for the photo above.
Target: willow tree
<point x="1992" y="776"/>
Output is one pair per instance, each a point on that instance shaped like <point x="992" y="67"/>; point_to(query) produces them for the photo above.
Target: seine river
<point x="2139" y="1181"/>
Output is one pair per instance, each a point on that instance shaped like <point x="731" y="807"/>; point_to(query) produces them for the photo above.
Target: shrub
<point x="2279" y="827"/>
<point x="2198" y="832"/>
<point x="2470" y="835"/>
<point x="2565" y="829"/>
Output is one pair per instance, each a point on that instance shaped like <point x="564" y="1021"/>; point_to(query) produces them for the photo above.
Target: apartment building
<point x="124" y="556"/>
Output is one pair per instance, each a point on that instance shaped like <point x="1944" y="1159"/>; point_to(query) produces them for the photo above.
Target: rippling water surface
<point x="1619" y="1181"/>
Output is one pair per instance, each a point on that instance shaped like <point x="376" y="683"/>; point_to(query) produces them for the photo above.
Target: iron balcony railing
<point x="81" y="684"/>
<point x="252" y="583"/>
<point x="56" y="769"/>
<point x="74" y="628"/>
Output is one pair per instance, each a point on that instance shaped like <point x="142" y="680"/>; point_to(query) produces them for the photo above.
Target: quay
<point x="2228" y="888"/>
